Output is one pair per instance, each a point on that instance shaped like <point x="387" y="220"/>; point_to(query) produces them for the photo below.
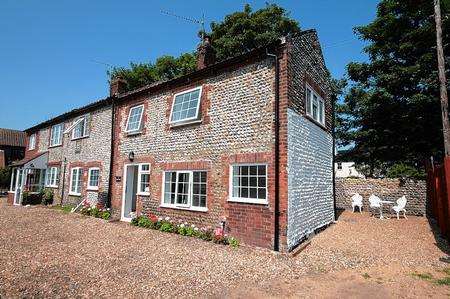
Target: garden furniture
<point x="400" y="207"/>
<point x="357" y="201"/>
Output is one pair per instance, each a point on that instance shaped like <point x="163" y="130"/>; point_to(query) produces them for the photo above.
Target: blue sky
<point x="48" y="48"/>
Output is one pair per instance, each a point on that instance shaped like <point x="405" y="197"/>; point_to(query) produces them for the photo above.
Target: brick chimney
<point x="206" y="53"/>
<point x="117" y="86"/>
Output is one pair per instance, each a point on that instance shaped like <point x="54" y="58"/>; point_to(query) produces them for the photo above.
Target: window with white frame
<point x="315" y="105"/>
<point x="249" y="183"/>
<point x="185" y="189"/>
<point x="76" y="181"/>
<point x="186" y="105"/>
<point x="56" y="135"/>
<point x="93" y="178"/>
<point x="32" y="142"/>
<point x="52" y="177"/>
<point x="144" y="179"/>
<point x="134" y="123"/>
<point x="13" y="180"/>
<point x="80" y="128"/>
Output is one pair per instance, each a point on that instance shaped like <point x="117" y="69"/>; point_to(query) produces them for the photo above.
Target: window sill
<point x="11" y="191"/>
<point x="56" y="145"/>
<point x="315" y="121"/>
<point x="74" y="194"/>
<point x="187" y="123"/>
<point x="143" y="193"/>
<point x="92" y="188"/>
<point x="49" y="186"/>
<point x="248" y="200"/>
<point x="133" y="133"/>
<point x="192" y="209"/>
<point x="78" y="138"/>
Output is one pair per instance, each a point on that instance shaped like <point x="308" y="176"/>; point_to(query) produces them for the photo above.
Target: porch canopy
<point x="29" y="173"/>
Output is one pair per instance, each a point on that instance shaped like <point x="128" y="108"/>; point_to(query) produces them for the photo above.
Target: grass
<point x="65" y="209"/>
<point x="428" y="277"/>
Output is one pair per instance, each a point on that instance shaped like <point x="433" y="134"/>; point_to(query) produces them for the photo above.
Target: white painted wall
<point x="310" y="178"/>
<point x="346" y="169"/>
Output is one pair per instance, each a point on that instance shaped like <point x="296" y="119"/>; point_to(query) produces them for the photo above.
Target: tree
<point x="5" y="177"/>
<point x="391" y="111"/>
<point x="239" y="32"/>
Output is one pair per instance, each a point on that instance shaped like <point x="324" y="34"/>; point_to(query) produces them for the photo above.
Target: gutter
<point x="276" y="236"/>
<point x="111" y="158"/>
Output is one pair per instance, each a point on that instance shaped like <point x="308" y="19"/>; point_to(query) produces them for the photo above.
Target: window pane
<point x="185" y="106"/>
<point x="94" y="177"/>
<point x="321" y="111"/>
<point x="134" y="120"/>
<point x="308" y="101"/>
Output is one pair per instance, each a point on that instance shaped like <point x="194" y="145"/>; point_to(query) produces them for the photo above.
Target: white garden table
<point x="381" y="207"/>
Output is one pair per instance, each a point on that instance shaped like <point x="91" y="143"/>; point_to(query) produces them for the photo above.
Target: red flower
<point x="152" y="217"/>
<point x="218" y="232"/>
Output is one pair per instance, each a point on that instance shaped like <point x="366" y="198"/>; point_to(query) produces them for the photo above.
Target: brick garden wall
<point x="386" y="189"/>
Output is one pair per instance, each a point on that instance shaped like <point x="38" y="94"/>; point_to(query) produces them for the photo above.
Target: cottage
<point x="244" y="143"/>
<point x="12" y="146"/>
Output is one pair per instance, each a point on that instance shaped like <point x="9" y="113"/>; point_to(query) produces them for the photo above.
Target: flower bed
<point x="183" y="228"/>
<point x="97" y="212"/>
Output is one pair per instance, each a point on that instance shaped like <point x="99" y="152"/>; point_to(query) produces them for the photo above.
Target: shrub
<point x="31" y="198"/>
<point x="105" y="215"/>
<point x="47" y="196"/>
<point x="233" y="242"/>
<point x="95" y="212"/>
<point x="402" y="170"/>
<point x="166" y="226"/>
<point x="145" y="222"/>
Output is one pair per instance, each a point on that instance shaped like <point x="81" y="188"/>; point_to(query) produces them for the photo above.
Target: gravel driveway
<point x="47" y="253"/>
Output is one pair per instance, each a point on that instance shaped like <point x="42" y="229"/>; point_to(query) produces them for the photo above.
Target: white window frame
<point x="48" y="177"/>
<point x="247" y="200"/>
<point x="12" y="187"/>
<point x="140" y="173"/>
<point x="78" y="169"/>
<point x="189" y="119"/>
<point x="89" y="186"/>
<point x="76" y="123"/>
<point x="32" y="142"/>
<point x="188" y="205"/>
<point x="139" y="129"/>
<point x="309" y="111"/>
<point x="59" y="141"/>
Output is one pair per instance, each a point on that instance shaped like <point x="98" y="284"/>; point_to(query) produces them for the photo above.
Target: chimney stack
<point x="117" y="86"/>
<point x="206" y="53"/>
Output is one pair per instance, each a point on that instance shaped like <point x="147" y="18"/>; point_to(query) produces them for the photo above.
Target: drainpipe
<point x="111" y="158"/>
<point x="333" y="134"/>
<point x="276" y="236"/>
<point x="63" y="180"/>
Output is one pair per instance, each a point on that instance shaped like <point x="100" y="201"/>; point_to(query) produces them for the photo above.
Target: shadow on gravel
<point x="441" y="242"/>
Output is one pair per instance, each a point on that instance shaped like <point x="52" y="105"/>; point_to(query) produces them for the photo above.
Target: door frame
<point x="19" y="186"/>
<point x="124" y="187"/>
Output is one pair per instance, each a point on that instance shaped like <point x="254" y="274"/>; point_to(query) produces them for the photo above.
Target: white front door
<point x="130" y="190"/>
<point x="19" y="186"/>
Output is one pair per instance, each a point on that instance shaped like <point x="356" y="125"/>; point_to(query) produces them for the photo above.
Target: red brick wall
<point x="10" y="198"/>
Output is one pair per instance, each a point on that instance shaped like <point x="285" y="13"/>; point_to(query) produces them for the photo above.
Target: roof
<point x="12" y="137"/>
<point x="72" y="113"/>
<point x="198" y="74"/>
<point x="27" y="159"/>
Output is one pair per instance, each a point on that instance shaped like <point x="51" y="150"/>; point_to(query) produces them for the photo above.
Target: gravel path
<point x="46" y="253"/>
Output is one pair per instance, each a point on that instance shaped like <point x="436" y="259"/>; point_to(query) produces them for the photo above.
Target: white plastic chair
<point x="374" y="202"/>
<point x="400" y="207"/>
<point x="357" y="201"/>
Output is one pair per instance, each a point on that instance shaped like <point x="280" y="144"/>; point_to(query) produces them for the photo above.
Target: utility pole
<point x="442" y="79"/>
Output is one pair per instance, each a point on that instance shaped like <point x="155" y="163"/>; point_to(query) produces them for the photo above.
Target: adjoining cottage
<point x="245" y="143"/>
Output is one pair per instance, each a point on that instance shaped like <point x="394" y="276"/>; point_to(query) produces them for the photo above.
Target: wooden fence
<point x="438" y="188"/>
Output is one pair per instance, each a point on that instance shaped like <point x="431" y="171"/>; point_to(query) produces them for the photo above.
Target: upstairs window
<point x="185" y="189"/>
<point x="80" y="128"/>
<point x="32" y="142"/>
<point x="56" y="135"/>
<point x="134" y="123"/>
<point x="186" y="105"/>
<point x="52" y="179"/>
<point x="315" y="105"/>
<point x="76" y="181"/>
<point x="93" y="178"/>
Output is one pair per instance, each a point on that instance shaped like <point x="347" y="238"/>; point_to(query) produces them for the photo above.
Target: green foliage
<point x="239" y="32"/>
<point x="31" y="198"/>
<point x="166" y="226"/>
<point x="402" y="170"/>
<point x="96" y="212"/>
<point x="245" y="30"/>
<point x="66" y="209"/>
<point x="144" y="222"/>
<point x="5" y="178"/>
<point x="47" y="196"/>
<point x="233" y="242"/>
<point x="391" y="111"/>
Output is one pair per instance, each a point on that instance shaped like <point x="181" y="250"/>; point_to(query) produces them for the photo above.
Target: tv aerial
<point x="201" y="22"/>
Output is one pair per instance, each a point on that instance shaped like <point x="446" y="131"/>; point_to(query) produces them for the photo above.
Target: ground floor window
<point x="76" y="179"/>
<point x="248" y="183"/>
<point x="52" y="177"/>
<point x="185" y="189"/>
<point x="93" y="178"/>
